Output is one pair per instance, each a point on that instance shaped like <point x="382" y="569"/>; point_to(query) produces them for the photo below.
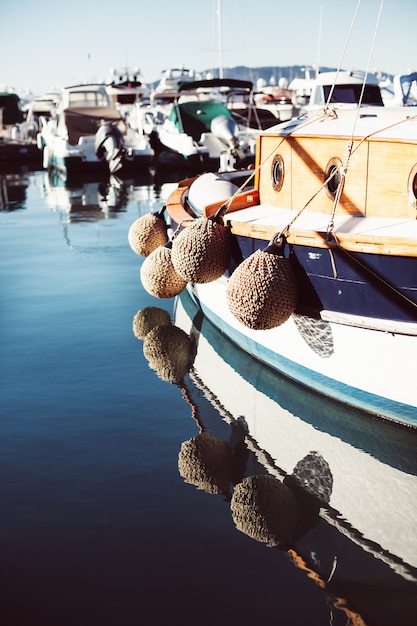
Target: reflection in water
<point x="265" y="509"/>
<point x="86" y="200"/>
<point x="13" y="188"/>
<point x="168" y="350"/>
<point x="331" y="487"/>
<point x="80" y="200"/>
<point x="205" y="461"/>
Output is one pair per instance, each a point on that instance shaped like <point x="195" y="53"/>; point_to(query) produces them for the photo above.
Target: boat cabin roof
<point x="345" y="88"/>
<point x="11" y="111"/>
<point x="372" y="122"/>
<point x="84" y="96"/>
<point x="216" y="83"/>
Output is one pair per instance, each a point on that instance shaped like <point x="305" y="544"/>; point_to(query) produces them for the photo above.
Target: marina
<point x="208" y="411"/>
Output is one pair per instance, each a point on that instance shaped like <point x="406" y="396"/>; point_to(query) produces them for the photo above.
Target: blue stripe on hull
<point x="351" y="396"/>
<point x="370" y="285"/>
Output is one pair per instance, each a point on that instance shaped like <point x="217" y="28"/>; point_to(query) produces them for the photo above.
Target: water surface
<point x="97" y="525"/>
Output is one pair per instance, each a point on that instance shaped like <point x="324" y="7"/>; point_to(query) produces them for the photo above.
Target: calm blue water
<point x="97" y="525"/>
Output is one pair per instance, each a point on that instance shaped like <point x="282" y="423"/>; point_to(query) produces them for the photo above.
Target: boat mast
<point x="319" y="42"/>
<point x="220" y="37"/>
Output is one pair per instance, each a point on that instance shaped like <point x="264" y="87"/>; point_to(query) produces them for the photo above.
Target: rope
<point x="378" y="277"/>
<point x="194" y="408"/>
<point x="225" y="207"/>
<point x="344" y="166"/>
<point x="343" y="53"/>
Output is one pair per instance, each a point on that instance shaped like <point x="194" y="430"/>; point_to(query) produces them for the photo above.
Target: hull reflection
<point x="334" y="489"/>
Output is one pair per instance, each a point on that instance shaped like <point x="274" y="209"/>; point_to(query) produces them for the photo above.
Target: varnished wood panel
<point x="389" y="167"/>
<point x="376" y="178"/>
<point x="370" y="244"/>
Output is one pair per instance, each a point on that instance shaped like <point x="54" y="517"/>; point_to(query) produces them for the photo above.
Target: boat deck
<point x="264" y="221"/>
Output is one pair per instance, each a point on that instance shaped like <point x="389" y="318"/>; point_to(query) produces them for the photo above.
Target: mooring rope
<point x="345" y="164"/>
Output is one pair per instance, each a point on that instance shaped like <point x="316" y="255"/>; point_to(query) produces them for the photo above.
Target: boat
<point x="17" y="141"/>
<point x="210" y="125"/>
<point x="310" y="264"/>
<point x="129" y="94"/>
<point x="277" y="99"/>
<point x="166" y="90"/>
<point x="405" y="89"/>
<point x="300" y="473"/>
<point x="87" y="134"/>
<point x="126" y="87"/>
<point x="343" y="88"/>
<point x="37" y="107"/>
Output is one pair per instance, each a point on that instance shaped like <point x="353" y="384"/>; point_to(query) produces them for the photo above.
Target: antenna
<point x="319" y="42"/>
<point x="220" y="37"/>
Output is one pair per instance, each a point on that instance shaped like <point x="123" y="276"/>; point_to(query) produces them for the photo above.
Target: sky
<point x="45" y="44"/>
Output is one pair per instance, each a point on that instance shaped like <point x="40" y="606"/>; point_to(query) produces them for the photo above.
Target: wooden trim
<point x="240" y="201"/>
<point x="175" y="205"/>
<point x="369" y="244"/>
<point x="179" y="210"/>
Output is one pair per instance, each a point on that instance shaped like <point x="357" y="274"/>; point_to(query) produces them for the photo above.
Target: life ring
<point x="263" y="98"/>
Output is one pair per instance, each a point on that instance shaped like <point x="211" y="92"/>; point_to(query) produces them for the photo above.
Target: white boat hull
<point x="373" y="484"/>
<point x="340" y="361"/>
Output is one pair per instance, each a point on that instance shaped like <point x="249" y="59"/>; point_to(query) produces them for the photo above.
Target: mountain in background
<point x="272" y="74"/>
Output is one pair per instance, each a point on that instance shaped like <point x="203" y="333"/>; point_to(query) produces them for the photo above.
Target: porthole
<point x="332" y="177"/>
<point x="277" y="172"/>
<point x="412" y="187"/>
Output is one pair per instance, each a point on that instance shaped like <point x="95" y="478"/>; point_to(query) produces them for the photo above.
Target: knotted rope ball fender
<point x="168" y="351"/>
<point x="205" y="462"/>
<point x="159" y="276"/>
<point x="266" y="510"/>
<point x="147" y="233"/>
<point x="262" y="291"/>
<point x="146" y="319"/>
<point x="201" y="252"/>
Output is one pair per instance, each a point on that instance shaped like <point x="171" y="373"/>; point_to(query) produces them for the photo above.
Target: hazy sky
<point x="45" y="43"/>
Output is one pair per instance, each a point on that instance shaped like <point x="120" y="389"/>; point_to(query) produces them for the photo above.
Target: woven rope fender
<point x="266" y="510"/>
<point x="262" y="291"/>
<point x="168" y="351"/>
<point x="146" y="319"/>
<point x="159" y="276"/>
<point x="148" y="233"/>
<point x="201" y="252"/>
<point x="205" y="462"/>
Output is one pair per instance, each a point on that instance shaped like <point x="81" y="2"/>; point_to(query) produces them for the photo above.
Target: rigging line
<point x="381" y="6"/>
<point x="402" y="296"/>
<point x="344" y="167"/>
<point x="224" y="208"/>
<point x="380" y="130"/>
<point x="344" y="51"/>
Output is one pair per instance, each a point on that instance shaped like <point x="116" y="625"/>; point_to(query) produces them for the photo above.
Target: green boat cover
<point x="194" y="118"/>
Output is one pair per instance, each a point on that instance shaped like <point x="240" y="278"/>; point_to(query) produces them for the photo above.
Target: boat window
<point x="277" y="172"/>
<point x="412" y="187"/>
<point x="350" y="94"/>
<point x="87" y="99"/>
<point x="332" y="176"/>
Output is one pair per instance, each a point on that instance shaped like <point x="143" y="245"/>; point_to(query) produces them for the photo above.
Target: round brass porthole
<point x="277" y="172"/>
<point x="412" y="187"/>
<point x="332" y="176"/>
